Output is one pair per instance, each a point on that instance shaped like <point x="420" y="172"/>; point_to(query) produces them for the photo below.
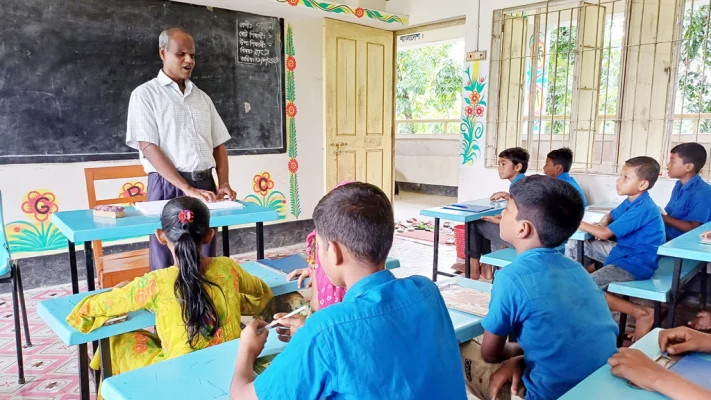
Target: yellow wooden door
<point x="358" y="104"/>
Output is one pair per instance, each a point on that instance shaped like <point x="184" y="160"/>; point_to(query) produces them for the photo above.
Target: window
<point x="428" y="92"/>
<point x="599" y="77"/>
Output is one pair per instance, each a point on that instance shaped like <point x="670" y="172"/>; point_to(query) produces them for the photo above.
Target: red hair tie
<point x="186" y="216"/>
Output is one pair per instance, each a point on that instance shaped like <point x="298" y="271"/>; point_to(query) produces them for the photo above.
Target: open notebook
<point x="156" y="207"/>
<point x="467" y="300"/>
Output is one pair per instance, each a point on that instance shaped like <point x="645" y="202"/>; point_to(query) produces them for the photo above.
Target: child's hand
<point x="253" y="338"/>
<point x="302" y="273"/>
<point x="288" y="326"/>
<point x="499" y="196"/>
<point x="683" y="340"/>
<point x="510" y="371"/>
<point x="494" y="220"/>
<point x="636" y="367"/>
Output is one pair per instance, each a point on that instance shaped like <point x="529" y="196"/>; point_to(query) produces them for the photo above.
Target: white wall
<point x="476" y="181"/>
<point x="66" y="181"/>
<point x="430" y="159"/>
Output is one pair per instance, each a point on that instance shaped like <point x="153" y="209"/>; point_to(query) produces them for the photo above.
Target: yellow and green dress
<point x="239" y="294"/>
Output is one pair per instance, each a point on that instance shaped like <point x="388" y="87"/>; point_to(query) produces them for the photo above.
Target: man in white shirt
<point x="179" y="135"/>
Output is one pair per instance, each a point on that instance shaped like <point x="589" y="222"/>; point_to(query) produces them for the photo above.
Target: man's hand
<point x="499" y="196"/>
<point x="205" y="195"/>
<point x="226" y="191"/>
<point x="302" y="273"/>
<point x="510" y="371"/>
<point x="253" y="338"/>
<point x="494" y="220"/>
<point x="636" y="367"/>
<point x="288" y="326"/>
<point x="683" y="340"/>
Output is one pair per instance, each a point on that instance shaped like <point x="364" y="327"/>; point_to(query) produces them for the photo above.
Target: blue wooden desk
<point x="603" y="385"/>
<point x="581" y="236"/>
<point x="465" y="217"/>
<point x="686" y="246"/>
<point x="206" y="374"/>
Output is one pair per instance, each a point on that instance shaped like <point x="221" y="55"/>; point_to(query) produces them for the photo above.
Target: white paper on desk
<point x="593" y="217"/>
<point x="156" y="207"/>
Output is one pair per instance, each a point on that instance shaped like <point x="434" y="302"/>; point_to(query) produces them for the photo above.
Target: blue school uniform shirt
<point x="388" y="339"/>
<point x="559" y="316"/>
<point x="518" y="178"/>
<point x="690" y="202"/>
<point x="567" y="178"/>
<point x="639" y="230"/>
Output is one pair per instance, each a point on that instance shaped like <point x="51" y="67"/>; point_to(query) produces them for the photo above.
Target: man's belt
<point x="196" y="176"/>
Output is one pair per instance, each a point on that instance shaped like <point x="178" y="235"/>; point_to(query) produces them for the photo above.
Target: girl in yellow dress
<point x="197" y="303"/>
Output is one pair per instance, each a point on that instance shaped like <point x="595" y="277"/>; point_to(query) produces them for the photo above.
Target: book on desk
<point x="464" y="299"/>
<point x="285" y="265"/>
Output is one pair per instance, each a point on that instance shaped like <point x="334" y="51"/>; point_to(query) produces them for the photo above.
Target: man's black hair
<point x="553" y="206"/>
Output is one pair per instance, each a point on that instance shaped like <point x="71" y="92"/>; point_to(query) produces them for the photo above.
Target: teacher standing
<point x="180" y="136"/>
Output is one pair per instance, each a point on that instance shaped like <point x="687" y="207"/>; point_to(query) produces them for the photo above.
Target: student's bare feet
<point x="475" y="268"/>
<point x="643" y="324"/>
<point x="487" y="271"/>
<point x="702" y="321"/>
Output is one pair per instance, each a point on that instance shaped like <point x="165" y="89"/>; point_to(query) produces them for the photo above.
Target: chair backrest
<point x="5" y="258"/>
<point x="107" y="173"/>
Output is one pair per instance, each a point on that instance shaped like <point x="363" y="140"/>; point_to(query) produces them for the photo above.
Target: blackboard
<point x="69" y="67"/>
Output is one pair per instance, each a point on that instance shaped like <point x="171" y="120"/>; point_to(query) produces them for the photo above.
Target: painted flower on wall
<point x="293" y="2"/>
<point x="265" y="196"/>
<point x="475" y="97"/>
<point x="468" y="110"/>
<point x="291" y="110"/>
<point x="336" y="8"/>
<point x="293" y="166"/>
<point x="263" y="183"/>
<point x="472" y="126"/>
<point x="132" y="189"/>
<point x="290" y="63"/>
<point x="359" y="12"/>
<point x="479" y="111"/>
<point x="40" y="205"/>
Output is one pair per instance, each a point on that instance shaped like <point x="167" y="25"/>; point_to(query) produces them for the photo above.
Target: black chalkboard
<point x="68" y="68"/>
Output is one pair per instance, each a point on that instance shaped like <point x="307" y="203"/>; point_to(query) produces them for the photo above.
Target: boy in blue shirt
<point x="484" y="233"/>
<point x="564" y="328"/>
<point x="558" y="164"/>
<point x="637" y="225"/>
<point x="388" y="338"/>
<point x="690" y="203"/>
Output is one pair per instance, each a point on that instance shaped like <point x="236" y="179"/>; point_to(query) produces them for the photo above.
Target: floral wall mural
<point x="358" y="12"/>
<point x="473" y="122"/>
<point x="292" y="151"/>
<point x="37" y="234"/>
<point x="132" y="189"/>
<point x="265" y="196"/>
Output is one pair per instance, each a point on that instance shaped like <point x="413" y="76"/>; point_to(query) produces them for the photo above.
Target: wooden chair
<point x="10" y="273"/>
<point x="115" y="268"/>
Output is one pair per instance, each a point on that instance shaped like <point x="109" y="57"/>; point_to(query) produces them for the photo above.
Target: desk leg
<point x="674" y="292"/>
<point x="467" y="254"/>
<point x="225" y="241"/>
<point x="105" y="359"/>
<point x="622" y="326"/>
<point x="657" y="314"/>
<point x="73" y="267"/>
<point x="436" y="249"/>
<point x="580" y="249"/>
<point x="84" y="372"/>
<point x="260" y="240"/>
<point x="89" y="259"/>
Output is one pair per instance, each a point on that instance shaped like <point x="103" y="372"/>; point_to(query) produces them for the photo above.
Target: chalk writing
<point x="255" y="43"/>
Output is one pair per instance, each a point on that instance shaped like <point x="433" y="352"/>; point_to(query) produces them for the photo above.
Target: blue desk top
<point x="687" y="246"/>
<point x="204" y="374"/>
<point x="81" y="225"/>
<point x="465" y="216"/>
<point x="603" y="385"/>
<point x="54" y="312"/>
<point x="207" y="373"/>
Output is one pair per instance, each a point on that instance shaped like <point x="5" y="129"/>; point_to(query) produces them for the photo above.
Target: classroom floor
<point x="51" y="367"/>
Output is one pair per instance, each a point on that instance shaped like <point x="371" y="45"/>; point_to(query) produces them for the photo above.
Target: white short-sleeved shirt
<point x="186" y="126"/>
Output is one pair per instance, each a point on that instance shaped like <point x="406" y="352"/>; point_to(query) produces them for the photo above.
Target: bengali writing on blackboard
<point x="256" y="43"/>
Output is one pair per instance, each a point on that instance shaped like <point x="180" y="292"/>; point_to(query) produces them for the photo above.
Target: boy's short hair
<point x="562" y="156"/>
<point x="553" y="206"/>
<point x="517" y="155"/>
<point x="646" y="168"/>
<point x="360" y="217"/>
<point x="693" y="153"/>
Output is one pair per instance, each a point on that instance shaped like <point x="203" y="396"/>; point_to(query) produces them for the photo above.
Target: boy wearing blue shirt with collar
<point x="690" y="203"/>
<point x="484" y="233"/>
<point x="563" y="326"/>
<point x="388" y="339"/>
<point x="637" y="225"/>
<point x="558" y="164"/>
